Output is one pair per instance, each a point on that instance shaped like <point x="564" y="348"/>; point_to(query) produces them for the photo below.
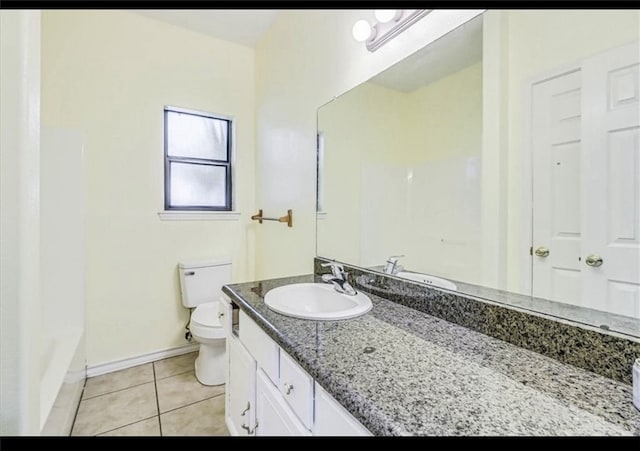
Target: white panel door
<point x="611" y="180"/>
<point x="273" y="414"/>
<point x="556" y="147"/>
<point x="241" y="390"/>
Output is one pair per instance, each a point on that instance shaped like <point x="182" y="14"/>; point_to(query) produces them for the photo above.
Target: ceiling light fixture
<point x="362" y="30"/>
<point x="391" y="22"/>
<point x="387" y="15"/>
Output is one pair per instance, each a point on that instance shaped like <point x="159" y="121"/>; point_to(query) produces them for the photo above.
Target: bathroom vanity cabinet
<point x="268" y="393"/>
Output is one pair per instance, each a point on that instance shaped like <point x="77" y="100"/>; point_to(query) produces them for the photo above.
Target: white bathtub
<point x="62" y="380"/>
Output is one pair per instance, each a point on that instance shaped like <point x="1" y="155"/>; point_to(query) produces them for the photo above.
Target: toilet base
<point x="211" y="364"/>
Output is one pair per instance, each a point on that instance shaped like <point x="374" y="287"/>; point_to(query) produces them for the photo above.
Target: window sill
<point x="199" y="215"/>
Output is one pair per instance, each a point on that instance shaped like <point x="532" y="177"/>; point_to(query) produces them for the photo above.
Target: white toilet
<point x="200" y="285"/>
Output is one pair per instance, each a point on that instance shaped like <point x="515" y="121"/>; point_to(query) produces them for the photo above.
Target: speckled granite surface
<point x="428" y="376"/>
<point x="596" y="318"/>
<point x="606" y="353"/>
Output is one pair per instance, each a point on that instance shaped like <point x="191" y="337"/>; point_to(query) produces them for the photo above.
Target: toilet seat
<point x="205" y="322"/>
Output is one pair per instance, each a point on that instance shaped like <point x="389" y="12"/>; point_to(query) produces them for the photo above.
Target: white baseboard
<point x="75" y="376"/>
<point x="104" y="368"/>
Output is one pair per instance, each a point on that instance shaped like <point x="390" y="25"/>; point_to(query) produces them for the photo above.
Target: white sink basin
<point x="429" y="280"/>
<point x="318" y="301"/>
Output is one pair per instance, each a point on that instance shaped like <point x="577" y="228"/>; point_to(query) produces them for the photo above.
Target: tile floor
<point x="155" y="399"/>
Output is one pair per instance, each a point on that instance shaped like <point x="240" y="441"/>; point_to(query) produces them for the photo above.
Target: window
<point x="197" y="160"/>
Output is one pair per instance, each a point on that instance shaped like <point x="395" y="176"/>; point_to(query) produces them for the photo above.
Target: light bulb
<point x="361" y="30"/>
<point x="385" y="15"/>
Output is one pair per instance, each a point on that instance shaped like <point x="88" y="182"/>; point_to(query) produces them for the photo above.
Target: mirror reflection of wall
<point x="390" y="143"/>
<point x="444" y="156"/>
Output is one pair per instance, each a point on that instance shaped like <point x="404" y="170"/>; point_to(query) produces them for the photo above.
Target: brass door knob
<point x="542" y="251"/>
<point x="594" y="260"/>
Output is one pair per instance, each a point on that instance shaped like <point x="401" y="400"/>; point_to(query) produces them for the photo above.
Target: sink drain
<point x="369" y="350"/>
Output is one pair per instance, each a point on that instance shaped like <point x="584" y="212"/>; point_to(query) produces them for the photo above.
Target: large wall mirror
<point x="502" y="161"/>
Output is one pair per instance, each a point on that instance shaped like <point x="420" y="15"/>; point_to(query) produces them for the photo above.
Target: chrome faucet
<point x="338" y="278"/>
<point x="392" y="266"/>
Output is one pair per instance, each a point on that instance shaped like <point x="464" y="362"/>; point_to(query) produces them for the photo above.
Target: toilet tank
<point x="201" y="281"/>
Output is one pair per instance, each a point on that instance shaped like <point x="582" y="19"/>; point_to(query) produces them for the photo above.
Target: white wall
<point x="305" y="59"/>
<point x="20" y="308"/>
<point x="108" y="74"/>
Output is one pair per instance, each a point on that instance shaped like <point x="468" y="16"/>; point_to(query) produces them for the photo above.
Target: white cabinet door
<point x="240" y="414"/>
<point x="333" y="419"/>
<point x="273" y="415"/>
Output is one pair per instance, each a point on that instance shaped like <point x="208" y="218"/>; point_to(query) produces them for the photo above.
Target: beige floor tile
<point x="175" y="365"/>
<point x="183" y="389"/>
<point x="144" y="428"/>
<point x="113" y="410"/>
<point x="202" y="418"/>
<point x="118" y="380"/>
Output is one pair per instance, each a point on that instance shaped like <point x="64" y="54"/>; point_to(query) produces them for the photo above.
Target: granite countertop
<point x="427" y="376"/>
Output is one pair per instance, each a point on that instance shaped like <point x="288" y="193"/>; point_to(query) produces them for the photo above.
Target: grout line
<point x="124" y="426"/>
<point x="155" y="385"/>
<point x="75" y="416"/>
<point x="191" y="403"/>
<point x="176" y="374"/>
<point x="116" y="391"/>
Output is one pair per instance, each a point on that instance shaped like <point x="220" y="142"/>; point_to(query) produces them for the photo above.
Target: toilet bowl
<point x="201" y="287"/>
<point x="207" y="329"/>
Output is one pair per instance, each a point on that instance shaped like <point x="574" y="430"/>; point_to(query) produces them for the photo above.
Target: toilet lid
<point x="207" y="315"/>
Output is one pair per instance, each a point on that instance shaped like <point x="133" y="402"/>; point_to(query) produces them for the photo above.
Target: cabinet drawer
<point x="296" y="387"/>
<point x="262" y="348"/>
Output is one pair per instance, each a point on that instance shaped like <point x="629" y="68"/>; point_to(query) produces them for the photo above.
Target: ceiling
<point x="242" y="26"/>
<point x="451" y="53"/>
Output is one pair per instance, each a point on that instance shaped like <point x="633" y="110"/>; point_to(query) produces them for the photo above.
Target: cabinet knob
<point x="288" y="388"/>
